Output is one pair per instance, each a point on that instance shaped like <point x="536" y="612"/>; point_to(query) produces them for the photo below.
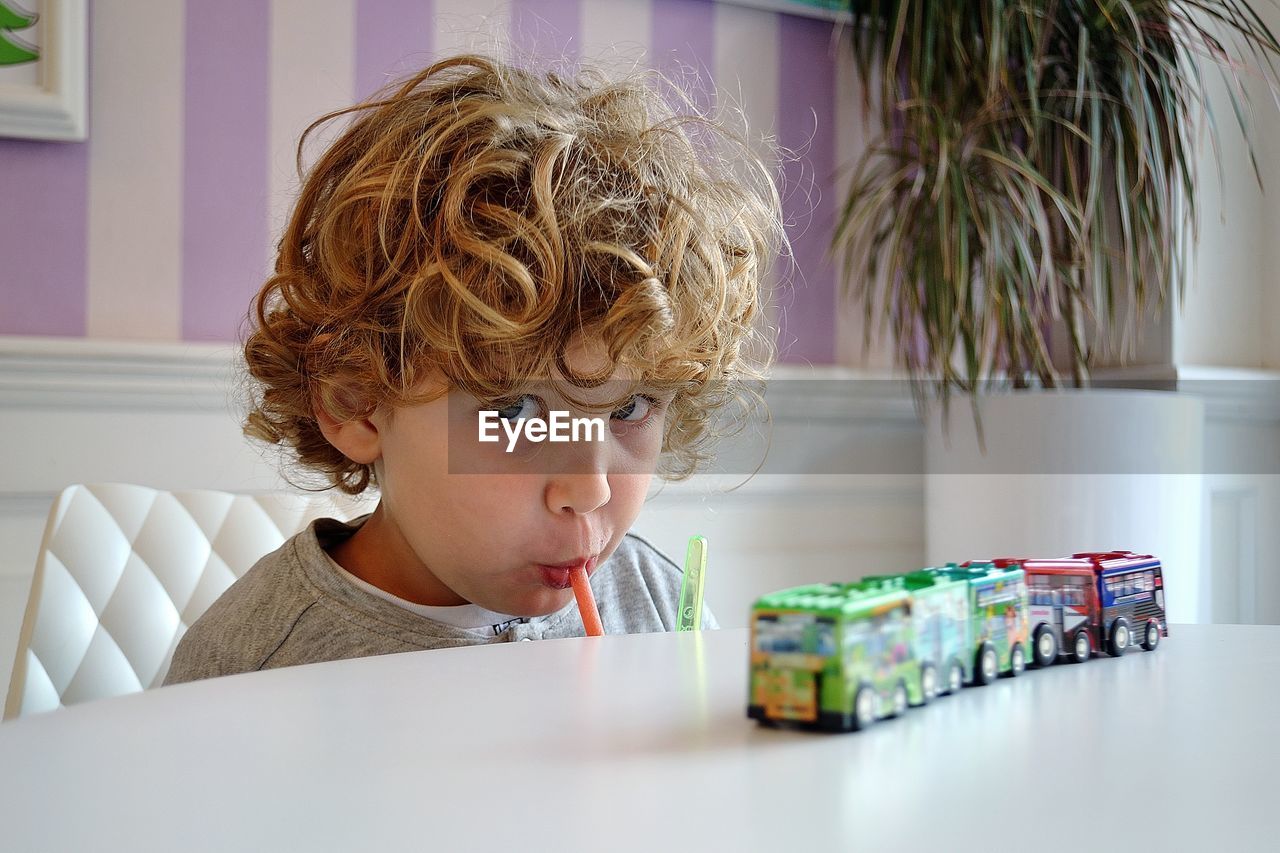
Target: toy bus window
<point x="1056" y="598"/>
<point x="989" y="596"/>
<point x="824" y="637"/>
<point x="855" y="633"/>
<point x="874" y="644"/>
<point x="780" y="635"/>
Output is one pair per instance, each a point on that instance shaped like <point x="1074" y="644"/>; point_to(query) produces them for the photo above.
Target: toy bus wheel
<point x="988" y="665"/>
<point x="1046" y="646"/>
<point x="864" y="708"/>
<point x="1081" y="647"/>
<point x="900" y="699"/>
<point x="1119" y="638"/>
<point x="928" y="683"/>
<point x="1017" y="660"/>
<point x="955" y="677"/>
<point x="1152" y="639"/>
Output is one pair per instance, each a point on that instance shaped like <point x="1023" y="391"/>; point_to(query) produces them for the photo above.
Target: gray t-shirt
<point x="296" y="606"/>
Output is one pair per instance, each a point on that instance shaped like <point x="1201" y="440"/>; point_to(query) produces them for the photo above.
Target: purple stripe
<point x="224" y="190"/>
<point x="682" y="44"/>
<point x="44" y="237"/>
<point x="44" y="230"/>
<point x="807" y="126"/>
<point x="548" y="30"/>
<point x="393" y="39"/>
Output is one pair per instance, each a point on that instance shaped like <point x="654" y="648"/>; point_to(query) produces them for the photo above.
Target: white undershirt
<point x="459" y="616"/>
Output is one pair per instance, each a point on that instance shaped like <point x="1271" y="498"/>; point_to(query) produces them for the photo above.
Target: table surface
<point x="641" y="743"/>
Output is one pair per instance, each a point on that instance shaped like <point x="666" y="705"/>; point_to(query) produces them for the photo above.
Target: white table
<point x="641" y="743"/>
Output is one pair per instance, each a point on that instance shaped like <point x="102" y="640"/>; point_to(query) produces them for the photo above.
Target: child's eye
<point x="637" y="410"/>
<point x="524" y="407"/>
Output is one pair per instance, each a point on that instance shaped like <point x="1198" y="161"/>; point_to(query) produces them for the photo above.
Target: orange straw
<point x="586" y="601"/>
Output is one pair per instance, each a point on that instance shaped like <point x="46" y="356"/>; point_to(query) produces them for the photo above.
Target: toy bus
<point x="940" y="623"/>
<point x="997" y="637"/>
<point x="1093" y="601"/>
<point x="838" y="657"/>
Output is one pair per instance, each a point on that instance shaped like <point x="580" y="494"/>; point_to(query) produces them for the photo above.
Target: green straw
<point x="689" y="617"/>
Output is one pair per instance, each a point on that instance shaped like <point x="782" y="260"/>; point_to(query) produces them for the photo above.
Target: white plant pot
<point x="1070" y="471"/>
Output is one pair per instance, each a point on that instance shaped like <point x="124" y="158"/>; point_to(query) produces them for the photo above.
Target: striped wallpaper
<point x="160" y="226"/>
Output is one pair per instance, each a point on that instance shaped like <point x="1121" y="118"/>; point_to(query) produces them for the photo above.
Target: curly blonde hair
<point x="472" y="219"/>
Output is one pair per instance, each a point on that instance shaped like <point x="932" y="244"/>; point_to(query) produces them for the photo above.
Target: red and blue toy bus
<point x="1131" y="595"/>
<point x="1092" y="602"/>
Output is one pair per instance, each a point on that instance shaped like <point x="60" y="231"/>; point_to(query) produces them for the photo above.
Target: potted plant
<point x="1036" y="169"/>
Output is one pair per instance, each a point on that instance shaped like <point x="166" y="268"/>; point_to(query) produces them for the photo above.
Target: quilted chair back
<point x="123" y="571"/>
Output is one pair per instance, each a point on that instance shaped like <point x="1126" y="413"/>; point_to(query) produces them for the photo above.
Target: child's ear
<point x="356" y="439"/>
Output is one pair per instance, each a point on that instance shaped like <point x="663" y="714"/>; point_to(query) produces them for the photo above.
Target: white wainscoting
<point x="1241" y="505"/>
<point x="166" y="416"/>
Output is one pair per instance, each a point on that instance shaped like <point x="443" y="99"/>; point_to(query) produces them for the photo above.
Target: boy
<point x="490" y="245"/>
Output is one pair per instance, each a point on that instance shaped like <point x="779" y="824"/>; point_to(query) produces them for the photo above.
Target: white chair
<point x="123" y="571"/>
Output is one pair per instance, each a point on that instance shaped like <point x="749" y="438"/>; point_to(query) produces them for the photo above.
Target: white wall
<point x="1233" y="299"/>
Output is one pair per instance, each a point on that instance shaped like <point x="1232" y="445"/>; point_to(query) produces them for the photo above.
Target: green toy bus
<point x="998" y="622"/>
<point x="836" y="656"/>
<point x="941" y="620"/>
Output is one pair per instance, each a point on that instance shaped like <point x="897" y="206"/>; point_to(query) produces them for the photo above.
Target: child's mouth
<point x="557" y="576"/>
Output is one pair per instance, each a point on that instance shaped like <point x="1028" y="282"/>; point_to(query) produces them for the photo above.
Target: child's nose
<point x="578" y="492"/>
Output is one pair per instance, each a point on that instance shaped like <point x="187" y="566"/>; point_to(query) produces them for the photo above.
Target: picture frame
<point x="49" y="104"/>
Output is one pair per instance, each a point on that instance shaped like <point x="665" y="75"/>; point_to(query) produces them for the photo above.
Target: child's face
<point x="501" y="538"/>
